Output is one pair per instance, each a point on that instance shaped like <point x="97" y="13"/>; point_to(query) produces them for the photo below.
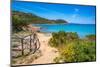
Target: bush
<point x="80" y="51"/>
<point x="61" y="38"/>
<point x="18" y="23"/>
<point x="91" y="37"/>
<point x="72" y="48"/>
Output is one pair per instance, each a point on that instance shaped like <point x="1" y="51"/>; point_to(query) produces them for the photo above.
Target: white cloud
<point x="74" y="15"/>
<point x="76" y="9"/>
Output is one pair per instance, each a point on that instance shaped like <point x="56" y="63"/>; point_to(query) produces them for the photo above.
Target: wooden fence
<point x="24" y="45"/>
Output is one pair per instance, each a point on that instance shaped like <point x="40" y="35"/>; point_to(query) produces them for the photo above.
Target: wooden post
<point x="30" y="44"/>
<point x="33" y="37"/>
<point x="22" y="46"/>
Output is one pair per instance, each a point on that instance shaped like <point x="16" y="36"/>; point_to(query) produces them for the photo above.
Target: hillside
<point x="21" y="19"/>
<point x="32" y="18"/>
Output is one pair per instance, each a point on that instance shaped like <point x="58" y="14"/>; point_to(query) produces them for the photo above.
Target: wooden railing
<point x="24" y="45"/>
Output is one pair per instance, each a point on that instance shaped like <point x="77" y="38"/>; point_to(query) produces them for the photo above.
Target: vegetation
<point x="22" y="19"/>
<point x="18" y="23"/>
<point x="62" y="38"/>
<point x="91" y="37"/>
<point x="72" y="48"/>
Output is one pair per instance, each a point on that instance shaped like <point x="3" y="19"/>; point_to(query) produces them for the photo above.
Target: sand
<point x="48" y="52"/>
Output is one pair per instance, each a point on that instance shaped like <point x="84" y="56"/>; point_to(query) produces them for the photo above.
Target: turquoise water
<point x="81" y="29"/>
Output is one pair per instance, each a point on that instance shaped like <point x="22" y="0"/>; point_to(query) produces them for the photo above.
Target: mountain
<point x="34" y="19"/>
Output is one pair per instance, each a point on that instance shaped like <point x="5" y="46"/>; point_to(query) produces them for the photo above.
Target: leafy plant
<point x="78" y="52"/>
<point x="61" y="38"/>
<point x="72" y="48"/>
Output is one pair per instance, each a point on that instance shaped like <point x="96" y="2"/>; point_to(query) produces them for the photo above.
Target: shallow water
<point x="81" y="29"/>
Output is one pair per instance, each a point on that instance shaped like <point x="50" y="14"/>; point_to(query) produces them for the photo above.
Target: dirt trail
<point x="48" y="53"/>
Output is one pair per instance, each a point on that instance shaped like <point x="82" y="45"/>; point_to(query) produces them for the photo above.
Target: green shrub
<point x="78" y="52"/>
<point x="72" y="48"/>
<point x="18" y="23"/>
<point x="61" y="38"/>
<point x="91" y="37"/>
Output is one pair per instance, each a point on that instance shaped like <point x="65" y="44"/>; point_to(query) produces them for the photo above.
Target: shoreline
<point x="38" y="30"/>
<point x="33" y="28"/>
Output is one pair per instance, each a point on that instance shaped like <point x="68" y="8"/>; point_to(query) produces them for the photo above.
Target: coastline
<point x="33" y="28"/>
<point x="81" y="31"/>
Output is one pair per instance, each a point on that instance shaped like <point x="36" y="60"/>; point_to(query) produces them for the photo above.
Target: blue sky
<point x="71" y="13"/>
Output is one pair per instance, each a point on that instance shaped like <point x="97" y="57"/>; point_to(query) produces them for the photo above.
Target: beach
<point x="48" y="52"/>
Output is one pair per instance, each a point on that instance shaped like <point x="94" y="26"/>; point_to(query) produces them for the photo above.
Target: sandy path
<point x="48" y="53"/>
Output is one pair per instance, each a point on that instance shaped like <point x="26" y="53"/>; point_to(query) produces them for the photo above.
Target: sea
<point x="81" y="29"/>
